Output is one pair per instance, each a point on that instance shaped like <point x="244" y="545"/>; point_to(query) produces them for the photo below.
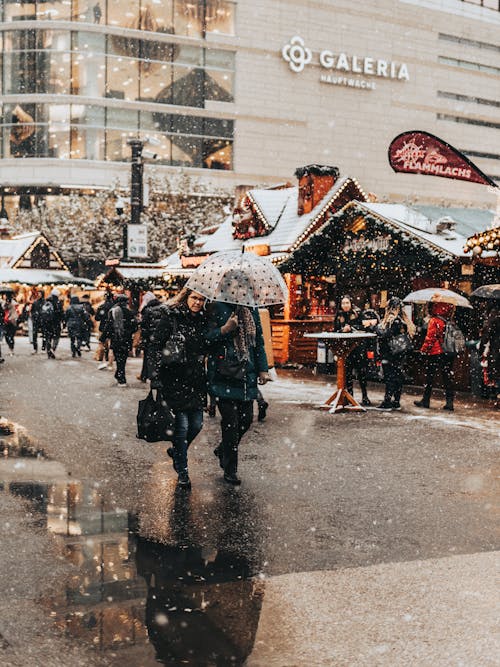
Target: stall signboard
<point x="377" y="244"/>
<point x="419" y="152"/>
<point x="137" y="240"/>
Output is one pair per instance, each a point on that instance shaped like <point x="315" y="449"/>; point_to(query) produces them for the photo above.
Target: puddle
<point x="140" y="601"/>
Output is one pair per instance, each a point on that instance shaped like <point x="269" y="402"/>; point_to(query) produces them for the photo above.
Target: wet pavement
<point x="351" y="539"/>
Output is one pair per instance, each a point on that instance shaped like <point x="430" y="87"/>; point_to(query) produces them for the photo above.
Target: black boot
<point x="425" y="401"/>
<point x="449" y="402"/>
<point x="232" y="478"/>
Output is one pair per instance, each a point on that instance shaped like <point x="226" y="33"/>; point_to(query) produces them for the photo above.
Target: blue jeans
<point x="187" y="425"/>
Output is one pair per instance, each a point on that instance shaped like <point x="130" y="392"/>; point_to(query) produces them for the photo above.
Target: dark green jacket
<point x="222" y="346"/>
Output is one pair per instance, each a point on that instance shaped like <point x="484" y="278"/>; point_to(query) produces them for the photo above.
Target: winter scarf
<point x="245" y="336"/>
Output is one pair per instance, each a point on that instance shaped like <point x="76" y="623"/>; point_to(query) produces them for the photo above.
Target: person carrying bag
<point x="395" y="333"/>
<point x="179" y="348"/>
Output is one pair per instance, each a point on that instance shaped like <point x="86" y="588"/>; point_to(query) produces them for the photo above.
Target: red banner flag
<point x="419" y="152"/>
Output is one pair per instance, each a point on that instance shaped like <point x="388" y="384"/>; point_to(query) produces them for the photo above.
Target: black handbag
<point x="400" y="345"/>
<point x="174" y="350"/>
<point x="231" y="369"/>
<point x="155" y="420"/>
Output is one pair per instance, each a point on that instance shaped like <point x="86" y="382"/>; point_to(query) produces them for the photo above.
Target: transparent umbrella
<point x="437" y="294"/>
<point x="244" y="279"/>
<point x="487" y="292"/>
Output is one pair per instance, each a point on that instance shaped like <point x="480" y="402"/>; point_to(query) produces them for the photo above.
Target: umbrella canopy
<point x="487" y="292"/>
<point x="244" y="279"/>
<point x="437" y="294"/>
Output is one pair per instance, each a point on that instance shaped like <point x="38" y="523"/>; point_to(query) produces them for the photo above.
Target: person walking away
<point x="87" y="306"/>
<point x="35" y="321"/>
<point x="51" y="320"/>
<point x="150" y="313"/>
<point x="101" y="316"/>
<point x="436" y="361"/>
<point x="395" y="332"/>
<point x="489" y="349"/>
<point x="236" y="363"/>
<point x="120" y="327"/>
<point x="348" y="320"/>
<point x="77" y="322"/>
<point x="182" y="384"/>
<point x="10" y="320"/>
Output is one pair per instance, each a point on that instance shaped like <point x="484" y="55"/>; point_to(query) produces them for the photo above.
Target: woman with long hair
<point x="347" y="320"/>
<point x="183" y="383"/>
<point x="395" y="325"/>
<point x="236" y="363"/>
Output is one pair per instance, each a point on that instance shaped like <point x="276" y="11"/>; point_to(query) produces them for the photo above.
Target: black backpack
<point x="454" y="340"/>
<point x="47" y="312"/>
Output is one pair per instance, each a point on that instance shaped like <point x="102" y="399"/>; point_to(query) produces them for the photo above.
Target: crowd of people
<point x="202" y="356"/>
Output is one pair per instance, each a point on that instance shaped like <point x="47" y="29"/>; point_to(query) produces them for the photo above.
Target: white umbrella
<point x="439" y="295"/>
<point x="244" y="279"/>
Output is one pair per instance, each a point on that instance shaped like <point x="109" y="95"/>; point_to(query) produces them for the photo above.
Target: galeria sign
<point x="298" y="55"/>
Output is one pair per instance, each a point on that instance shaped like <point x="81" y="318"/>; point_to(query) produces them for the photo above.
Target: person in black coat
<point x="77" y="321"/>
<point x="182" y="384"/>
<point x="119" y="328"/>
<point x="150" y="313"/>
<point x="347" y="320"/>
<point x="101" y="316"/>
<point x="394" y="323"/>
<point x="88" y="324"/>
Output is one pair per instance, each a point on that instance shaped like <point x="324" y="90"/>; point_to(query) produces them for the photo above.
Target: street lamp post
<point x="136" y="190"/>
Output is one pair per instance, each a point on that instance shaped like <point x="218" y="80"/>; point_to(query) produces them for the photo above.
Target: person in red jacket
<point x="435" y="358"/>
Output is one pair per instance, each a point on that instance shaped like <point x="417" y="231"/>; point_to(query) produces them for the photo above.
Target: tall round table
<point x="341" y="345"/>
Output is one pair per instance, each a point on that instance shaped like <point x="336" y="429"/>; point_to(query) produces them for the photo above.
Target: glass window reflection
<point x="220" y="16"/>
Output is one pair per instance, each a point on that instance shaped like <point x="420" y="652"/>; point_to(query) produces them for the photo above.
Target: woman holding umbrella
<point x="238" y="283"/>
<point x="436" y="361"/>
<point x="236" y="364"/>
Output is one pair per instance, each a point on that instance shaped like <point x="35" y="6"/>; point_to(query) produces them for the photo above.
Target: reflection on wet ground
<point x="175" y="584"/>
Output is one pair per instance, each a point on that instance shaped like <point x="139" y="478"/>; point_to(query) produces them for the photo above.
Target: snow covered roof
<point x="41" y="277"/>
<point x="136" y="273"/>
<point x="278" y="210"/>
<point x="11" y="250"/>
<point x="437" y="226"/>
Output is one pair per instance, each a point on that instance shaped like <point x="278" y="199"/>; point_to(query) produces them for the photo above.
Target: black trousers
<point x="394" y="379"/>
<point x="236" y="419"/>
<point x="439" y="363"/>
<point x="357" y="360"/>
<point x="121" y="356"/>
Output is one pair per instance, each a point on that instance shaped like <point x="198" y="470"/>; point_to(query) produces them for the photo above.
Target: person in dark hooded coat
<point x="182" y="384"/>
<point x="150" y="313"/>
<point x="119" y="329"/>
<point x="77" y="321"/>
<point x="236" y="364"/>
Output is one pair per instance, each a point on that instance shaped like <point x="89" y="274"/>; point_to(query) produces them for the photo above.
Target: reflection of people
<point x="436" y="361"/>
<point x="203" y="604"/>
<point x="183" y="384"/>
<point x="97" y="13"/>
<point x="236" y="363"/>
<point x="348" y="320"/>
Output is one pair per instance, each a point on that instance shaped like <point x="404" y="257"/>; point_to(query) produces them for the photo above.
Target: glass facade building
<point x="79" y="78"/>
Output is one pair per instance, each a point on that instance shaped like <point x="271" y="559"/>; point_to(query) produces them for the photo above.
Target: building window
<point x="468" y="42"/>
<point x="468" y="98"/>
<point x="467" y="64"/>
<point x="467" y="121"/>
<point x="488" y="4"/>
<point x="188" y="18"/>
<point x="91" y="132"/>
